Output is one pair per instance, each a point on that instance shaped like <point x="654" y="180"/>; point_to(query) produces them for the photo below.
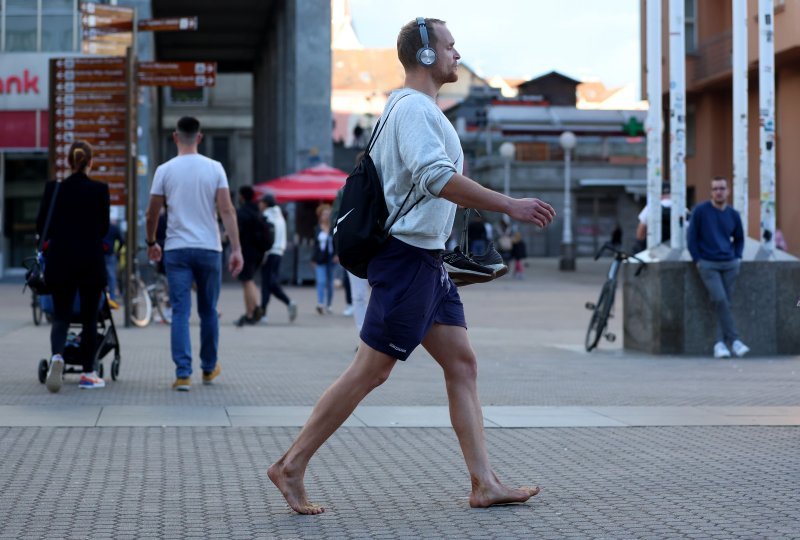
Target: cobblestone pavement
<point x="209" y="482"/>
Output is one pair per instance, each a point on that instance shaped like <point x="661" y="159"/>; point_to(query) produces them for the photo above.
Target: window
<point x="57" y="25"/>
<point x="186" y="96"/>
<point x="20" y="25"/>
<point x="220" y="151"/>
<point x="690" y="25"/>
<point x="26" y="168"/>
<point x="691" y="129"/>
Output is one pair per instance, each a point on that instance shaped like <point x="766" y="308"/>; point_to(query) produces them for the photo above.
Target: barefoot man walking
<point x="413" y="300"/>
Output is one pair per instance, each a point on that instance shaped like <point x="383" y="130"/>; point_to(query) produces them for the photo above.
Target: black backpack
<point x="360" y="229"/>
<point x="264" y="231"/>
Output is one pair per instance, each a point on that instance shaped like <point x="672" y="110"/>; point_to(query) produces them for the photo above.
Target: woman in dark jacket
<point x="74" y="260"/>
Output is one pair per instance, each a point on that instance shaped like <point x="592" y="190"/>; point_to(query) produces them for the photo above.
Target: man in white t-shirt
<point x="194" y="188"/>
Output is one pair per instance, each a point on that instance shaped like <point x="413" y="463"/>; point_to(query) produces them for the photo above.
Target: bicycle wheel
<point x="141" y="307"/>
<point x="36" y="306"/>
<point x="161" y="299"/>
<point x="599" y="320"/>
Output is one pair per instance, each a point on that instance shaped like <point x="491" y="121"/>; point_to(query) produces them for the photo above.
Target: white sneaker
<point x="721" y="351"/>
<point x="740" y="349"/>
<point x="348" y="311"/>
<point x="55" y="373"/>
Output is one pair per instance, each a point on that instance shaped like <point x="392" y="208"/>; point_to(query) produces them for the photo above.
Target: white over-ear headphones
<point x="425" y="55"/>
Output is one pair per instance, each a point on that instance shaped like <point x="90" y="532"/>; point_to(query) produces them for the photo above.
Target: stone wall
<point x="667" y="310"/>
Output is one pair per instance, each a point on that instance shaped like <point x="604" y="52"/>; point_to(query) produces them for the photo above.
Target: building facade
<point x="709" y="98"/>
<point x="31" y="32"/>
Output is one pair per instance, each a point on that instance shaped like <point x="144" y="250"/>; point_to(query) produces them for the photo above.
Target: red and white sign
<point x="24" y="81"/>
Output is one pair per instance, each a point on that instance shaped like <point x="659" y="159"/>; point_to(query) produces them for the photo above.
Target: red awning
<point x="317" y="183"/>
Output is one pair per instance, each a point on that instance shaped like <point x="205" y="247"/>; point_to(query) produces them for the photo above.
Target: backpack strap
<point x="380" y="125"/>
<point x="49" y="216"/>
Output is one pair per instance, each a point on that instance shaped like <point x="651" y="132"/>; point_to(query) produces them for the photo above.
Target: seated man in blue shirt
<point x="716" y="240"/>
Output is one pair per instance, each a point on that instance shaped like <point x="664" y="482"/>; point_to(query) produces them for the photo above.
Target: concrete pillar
<point x="292" y="90"/>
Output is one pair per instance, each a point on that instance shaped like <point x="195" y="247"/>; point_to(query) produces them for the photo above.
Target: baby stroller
<point x="106" y="339"/>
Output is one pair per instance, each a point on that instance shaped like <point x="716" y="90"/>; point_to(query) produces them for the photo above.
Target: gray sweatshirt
<point x="418" y="147"/>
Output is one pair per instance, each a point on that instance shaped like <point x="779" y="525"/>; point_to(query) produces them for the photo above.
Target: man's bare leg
<point x="368" y="370"/>
<point x="250" y="297"/>
<point x="450" y="347"/>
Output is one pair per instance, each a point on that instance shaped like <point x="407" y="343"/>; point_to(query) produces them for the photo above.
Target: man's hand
<point x="532" y="211"/>
<point x="154" y="253"/>
<point x="235" y="262"/>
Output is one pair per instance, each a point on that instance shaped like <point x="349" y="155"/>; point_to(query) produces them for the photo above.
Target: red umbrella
<point x="320" y="182"/>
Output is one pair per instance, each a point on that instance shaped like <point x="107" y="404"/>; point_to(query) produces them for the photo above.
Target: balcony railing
<point x="713" y="57"/>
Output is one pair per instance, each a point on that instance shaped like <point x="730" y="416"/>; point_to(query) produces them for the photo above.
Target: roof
<point x="551" y="75"/>
<point x="376" y="70"/>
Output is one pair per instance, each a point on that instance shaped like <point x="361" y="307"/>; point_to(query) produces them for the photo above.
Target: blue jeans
<point x="203" y="267"/>
<point x="719" y="277"/>
<point x="111" y="273"/>
<point x="324" y="274"/>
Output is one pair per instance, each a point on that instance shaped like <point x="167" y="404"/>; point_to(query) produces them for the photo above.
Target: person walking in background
<point x="75" y="260"/>
<point x="519" y="251"/>
<point x="665" y="210"/>
<point x="271" y="268"/>
<point x="324" y="259"/>
<point x="413" y="301"/>
<point x="194" y="188"/>
<point x="359" y="288"/>
<point x="715" y="241"/>
<point x="250" y="222"/>
<point x="112" y="243"/>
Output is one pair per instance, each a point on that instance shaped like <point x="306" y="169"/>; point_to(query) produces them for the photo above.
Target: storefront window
<point x="25" y="175"/>
<point x="20" y="25"/>
<point x="57" y="25"/>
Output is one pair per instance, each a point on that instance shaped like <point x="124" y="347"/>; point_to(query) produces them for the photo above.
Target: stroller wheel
<point x="100" y="369"/>
<point x="43" y="370"/>
<point x="114" y="369"/>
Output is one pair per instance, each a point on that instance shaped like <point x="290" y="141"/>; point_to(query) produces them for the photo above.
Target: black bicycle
<point x="602" y="310"/>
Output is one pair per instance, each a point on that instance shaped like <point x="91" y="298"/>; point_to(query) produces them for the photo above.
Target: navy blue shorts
<point x="410" y="292"/>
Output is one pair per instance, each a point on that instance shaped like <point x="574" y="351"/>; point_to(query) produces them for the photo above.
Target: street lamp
<point x="507" y="151"/>
<point x="567" y="261"/>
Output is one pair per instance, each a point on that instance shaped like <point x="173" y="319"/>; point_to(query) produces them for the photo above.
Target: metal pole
<point x="507" y="176"/>
<point x="567" y="250"/>
<point x="766" y="101"/>
<point x="655" y="123"/>
<point x="677" y="121"/>
<point x="740" y="117"/>
<point x="567" y="198"/>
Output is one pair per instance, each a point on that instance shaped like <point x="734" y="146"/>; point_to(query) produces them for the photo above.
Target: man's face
<point x="719" y="191"/>
<point x="445" y="70"/>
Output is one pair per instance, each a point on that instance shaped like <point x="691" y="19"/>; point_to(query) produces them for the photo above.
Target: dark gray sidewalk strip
<point x="276" y="417"/>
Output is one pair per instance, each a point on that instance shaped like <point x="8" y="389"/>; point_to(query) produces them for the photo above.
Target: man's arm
<point x="151" y="224"/>
<point x="228" y="215"/>
<point x="468" y="193"/>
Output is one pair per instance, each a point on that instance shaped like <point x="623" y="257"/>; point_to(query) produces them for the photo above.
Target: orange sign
<point x="90" y="100"/>
<point x="168" y="24"/>
<point x="106" y="29"/>
<point x="177" y="74"/>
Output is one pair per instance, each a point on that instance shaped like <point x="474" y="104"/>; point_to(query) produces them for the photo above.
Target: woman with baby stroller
<point x="74" y="260"/>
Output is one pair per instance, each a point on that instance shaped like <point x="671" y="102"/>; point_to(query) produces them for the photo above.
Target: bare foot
<point x="292" y="488"/>
<point x="486" y="496"/>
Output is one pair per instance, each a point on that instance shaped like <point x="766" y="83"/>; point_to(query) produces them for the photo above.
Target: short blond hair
<point x="409" y="41"/>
